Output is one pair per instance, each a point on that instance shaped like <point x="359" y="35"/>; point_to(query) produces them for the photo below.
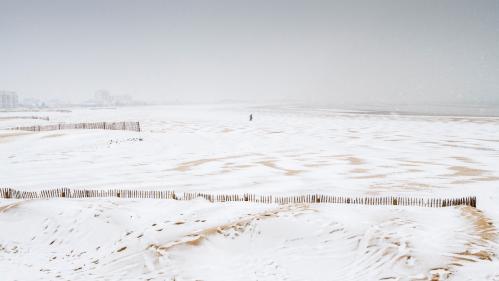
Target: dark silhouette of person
<point x="251" y="117"/>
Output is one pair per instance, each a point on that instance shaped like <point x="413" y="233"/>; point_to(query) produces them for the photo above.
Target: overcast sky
<point x="316" y="51"/>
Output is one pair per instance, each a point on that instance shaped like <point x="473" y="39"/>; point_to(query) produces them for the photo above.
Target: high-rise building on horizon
<point x="8" y="99"/>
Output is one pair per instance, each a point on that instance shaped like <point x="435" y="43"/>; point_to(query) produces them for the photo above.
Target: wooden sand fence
<point x="125" y="126"/>
<point x="9" y="193"/>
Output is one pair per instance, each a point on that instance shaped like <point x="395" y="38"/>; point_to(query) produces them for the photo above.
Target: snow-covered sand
<point x="284" y="150"/>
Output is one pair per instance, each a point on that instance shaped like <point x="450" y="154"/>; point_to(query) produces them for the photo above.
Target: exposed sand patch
<point x="241" y="166"/>
<point x="478" y="247"/>
<point x="235" y="166"/>
<point x="359" y="171"/>
<point x="486" y="233"/>
<point x="483" y="225"/>
<point x="293" y="172"/>
<point x="464" y="159"/>
<point x="418" y="186"/>
<point x="186" y="166"/>
<point x="415" y="162"/>
<point x="376" y="176"/>
<point x="469" y="147"/>
<point x="489" y="140"/>
<point x="53" y="135"/>
<point x="486" y="178"/>
<point x="7" y="207"/>
<point x="316" y="165"/>
<point x="271" y="164"/>
<point x="354" y="160"/>
<point x="462" y="171"/>
<point x="489" y="178"/>
<point x="240" y="225"/>
<point x="9" y="136"/>
<point x="414" y="171"/>
<point x="404" y="186"/>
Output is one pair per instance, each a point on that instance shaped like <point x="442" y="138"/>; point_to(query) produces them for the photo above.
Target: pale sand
<point x="376" y="176"/>
<point x="485" y="178"/>
<point x="464" y="159"/>
<point x="317" y="165"/>
<point x="271" y="164"/>
<point x="196" y="238"/>
<point x="354" y="160"/>
<point x="53" y="135"/>
<point x="359" y="171"/>
<point x="486" y="233"/>
<point x="12" y="135"/>
<point x="7" y="207"/>
<point x="186" y="166"/>
<point x="376" y="189"/>
<point x="462" y="171"/>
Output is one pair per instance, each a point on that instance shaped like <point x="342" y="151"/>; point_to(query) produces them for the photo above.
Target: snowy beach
<point x="283" y="151"/>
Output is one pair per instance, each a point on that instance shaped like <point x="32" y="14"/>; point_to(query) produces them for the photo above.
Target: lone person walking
<point x="251" y="117"/>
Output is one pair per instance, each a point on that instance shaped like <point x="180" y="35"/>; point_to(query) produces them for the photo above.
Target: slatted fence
<point x="9" y="193"/>
<point x="125" y="126"/>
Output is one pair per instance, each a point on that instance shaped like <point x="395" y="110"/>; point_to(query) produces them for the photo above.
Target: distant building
<point x="123" y="100"/>
<point x="8" y="99"/>
<point x="31" y="102"/>
<point x="105" y="98"/>
<point x="56" y="103"/>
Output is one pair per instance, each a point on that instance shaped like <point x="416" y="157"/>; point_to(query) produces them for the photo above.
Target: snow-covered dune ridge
<point x="93" y="239"/>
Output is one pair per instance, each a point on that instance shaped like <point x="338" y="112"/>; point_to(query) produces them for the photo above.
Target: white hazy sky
<point x="317" y="51"/>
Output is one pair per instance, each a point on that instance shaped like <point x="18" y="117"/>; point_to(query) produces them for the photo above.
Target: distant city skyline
<point x="316" y="52"/>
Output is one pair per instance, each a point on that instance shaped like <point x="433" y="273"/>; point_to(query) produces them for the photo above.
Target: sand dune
<point x="82" y="239"/>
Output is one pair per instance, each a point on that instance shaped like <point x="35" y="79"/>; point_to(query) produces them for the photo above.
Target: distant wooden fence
<point x="9" y="193"/>
<point x="126" y="126"/>
<point x="25" y="117"/>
